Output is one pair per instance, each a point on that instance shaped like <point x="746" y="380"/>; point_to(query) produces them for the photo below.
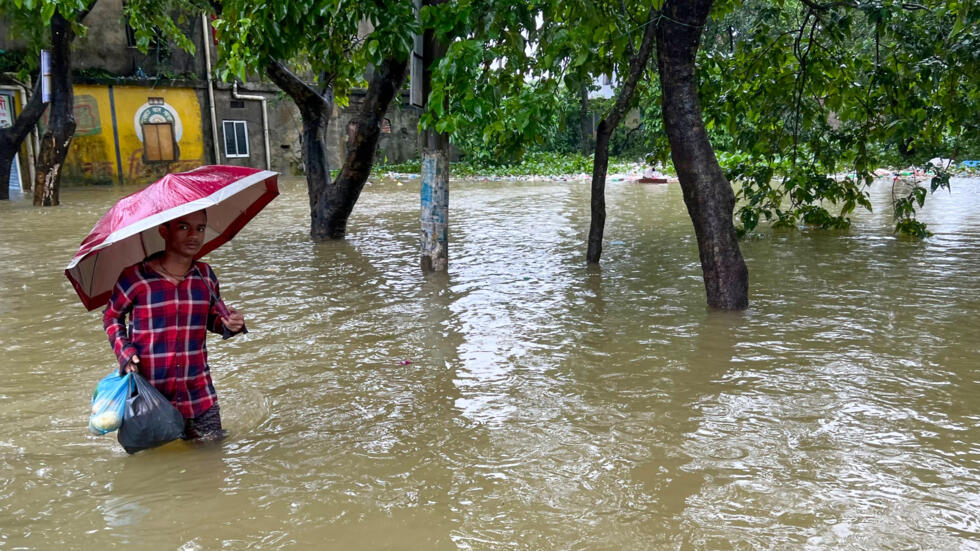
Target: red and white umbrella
<point x="231" y="196"/>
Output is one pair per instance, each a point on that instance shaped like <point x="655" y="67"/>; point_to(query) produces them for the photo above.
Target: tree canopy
<point x="30" y="20"/>
<point x="333" y="41"/>
<point x="801" y="91"/>
<point x="803" y="99"/>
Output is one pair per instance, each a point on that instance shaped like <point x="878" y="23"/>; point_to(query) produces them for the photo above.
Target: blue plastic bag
<point x="109" y="402"/>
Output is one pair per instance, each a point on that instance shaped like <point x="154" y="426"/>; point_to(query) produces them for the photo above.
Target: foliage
<point x="30" y="20"/>
<point x="905" y="206"/>
<point x="534" y="163"/>
<point x="483" y="92"/>
<point x="156" y="21"/>
<point x="511" y="79"/>
<point x="320" y="37"/>
<point x="12" y="61"/>
<point x="804" y="91"/>
<point x="802" y="99"/>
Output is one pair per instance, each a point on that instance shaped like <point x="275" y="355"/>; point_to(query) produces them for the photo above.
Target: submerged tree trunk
<point x="435" y="174"/>
<point x="707" y="194"/>
<point x="12" y="137"/>
<point x="314" y="109"/>
<point x="61" y="119"/>
<point x="331" y="202"/>
<point x="337" y="200"/>
<point x="600" y="165"/>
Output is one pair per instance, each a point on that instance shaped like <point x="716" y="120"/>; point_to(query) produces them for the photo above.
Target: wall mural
<point x="134" y="134"/>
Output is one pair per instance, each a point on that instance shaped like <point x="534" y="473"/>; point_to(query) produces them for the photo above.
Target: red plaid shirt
<point x="167" y="328"/>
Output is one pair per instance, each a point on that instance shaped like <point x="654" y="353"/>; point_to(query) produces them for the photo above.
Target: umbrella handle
<point x="220" y="306"/>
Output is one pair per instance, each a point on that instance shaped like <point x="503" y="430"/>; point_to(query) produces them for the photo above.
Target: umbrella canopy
<point x="231" y="196"/>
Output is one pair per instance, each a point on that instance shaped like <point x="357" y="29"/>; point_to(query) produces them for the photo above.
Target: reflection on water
<point x="524" y="400"/>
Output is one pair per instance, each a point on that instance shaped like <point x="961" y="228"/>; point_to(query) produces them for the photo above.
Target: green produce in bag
<point x="109" y="403"/>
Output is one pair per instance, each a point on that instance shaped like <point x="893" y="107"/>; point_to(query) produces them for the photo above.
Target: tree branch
<point x="305" y="96"/>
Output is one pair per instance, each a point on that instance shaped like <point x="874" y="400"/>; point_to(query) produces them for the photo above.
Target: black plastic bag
<point x="150" y="420"/>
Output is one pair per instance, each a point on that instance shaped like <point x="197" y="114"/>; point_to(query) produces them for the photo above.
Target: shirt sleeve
<point x="215" y="324"/>
<point x="114" y="322"/>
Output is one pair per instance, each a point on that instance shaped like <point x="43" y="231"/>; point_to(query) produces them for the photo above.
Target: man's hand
<point x="234" y="321"/>
<point x="133" y="366"/>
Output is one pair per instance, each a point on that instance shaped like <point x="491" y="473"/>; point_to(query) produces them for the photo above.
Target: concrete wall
<point x="399" y="134"/>
<point x="229" y="109"/>
<point x="105" y="46"/>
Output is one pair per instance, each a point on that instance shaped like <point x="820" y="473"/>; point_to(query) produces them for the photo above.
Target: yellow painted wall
<point x="92" y="157"/>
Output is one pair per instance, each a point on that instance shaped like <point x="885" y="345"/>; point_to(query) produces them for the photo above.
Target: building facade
<point x="140" y="116"/>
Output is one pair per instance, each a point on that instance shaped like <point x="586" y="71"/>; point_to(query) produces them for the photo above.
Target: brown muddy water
<point x="546" y="405"/>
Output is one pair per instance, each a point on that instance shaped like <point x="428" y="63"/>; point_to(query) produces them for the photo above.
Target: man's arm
<point x="224" y="321"/>
<point x="114" y="323"/>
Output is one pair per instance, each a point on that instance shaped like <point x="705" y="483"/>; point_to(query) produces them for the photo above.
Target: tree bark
<point x="331" y="202"/>
<point x="61" y="119"/>
<point x="337" y="200"/>
<point x="314" y="110"/>
<point x="707" y="194"/>
<point x="12" y="137"/>
<point x="607" y="125"/>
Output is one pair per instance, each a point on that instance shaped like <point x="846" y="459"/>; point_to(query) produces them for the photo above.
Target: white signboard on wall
<point x="6" y="111"/>
<point x="45" y="76"/>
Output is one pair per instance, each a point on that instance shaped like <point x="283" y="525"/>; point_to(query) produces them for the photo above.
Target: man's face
<point x="185" y="235"/>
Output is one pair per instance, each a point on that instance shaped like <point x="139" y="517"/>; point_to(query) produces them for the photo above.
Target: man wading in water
<point x="171" y="301"/>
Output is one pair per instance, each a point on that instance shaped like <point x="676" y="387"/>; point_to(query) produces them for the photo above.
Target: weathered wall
<point x="399" y="134"/>
<point x="92" y="157"/>
<point x="247" y="110"/>
<point x="285" y="130"/>
<point x="105" y="47"/>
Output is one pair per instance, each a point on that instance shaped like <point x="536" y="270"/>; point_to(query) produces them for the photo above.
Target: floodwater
<point x="546" y="406"/>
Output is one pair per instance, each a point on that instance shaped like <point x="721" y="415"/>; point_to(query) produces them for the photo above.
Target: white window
<point x="236" y="138"/>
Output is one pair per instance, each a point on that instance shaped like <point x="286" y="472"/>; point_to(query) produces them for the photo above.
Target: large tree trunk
<point x="314" y="109"/>
<point x="12" y="137"/>
<point x="61" y="119"/>
<point x="600" y="165"/>
<point x="331" y="202"/>
<point x="707" y="194"/>
<point x="435" y="174"/>
<point x="337" y="200"/>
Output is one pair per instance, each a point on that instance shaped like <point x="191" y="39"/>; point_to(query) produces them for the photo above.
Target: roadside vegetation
<point x="534" y="163"/>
